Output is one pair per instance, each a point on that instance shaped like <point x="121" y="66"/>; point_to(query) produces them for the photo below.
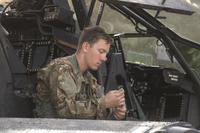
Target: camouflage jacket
<point x="64" y="92"/>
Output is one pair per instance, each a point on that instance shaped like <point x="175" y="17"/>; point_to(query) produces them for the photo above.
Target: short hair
<point x="92" y="35"/>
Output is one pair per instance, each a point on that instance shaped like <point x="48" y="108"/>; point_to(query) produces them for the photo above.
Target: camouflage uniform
<point x="63" y="91"/>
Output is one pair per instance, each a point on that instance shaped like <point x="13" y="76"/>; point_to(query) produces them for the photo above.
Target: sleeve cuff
<point x="102" y="103"/>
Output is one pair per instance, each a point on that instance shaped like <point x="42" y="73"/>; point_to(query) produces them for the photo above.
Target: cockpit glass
<point x="112" y="21"/>
<point x="148" y="50"/>
<point x="187" y="26"/>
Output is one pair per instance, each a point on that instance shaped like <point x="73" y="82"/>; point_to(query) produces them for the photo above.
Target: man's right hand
<point x="114" y="98"/>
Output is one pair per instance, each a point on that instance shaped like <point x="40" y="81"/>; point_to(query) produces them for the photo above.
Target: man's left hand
<point x="120" y="112"/>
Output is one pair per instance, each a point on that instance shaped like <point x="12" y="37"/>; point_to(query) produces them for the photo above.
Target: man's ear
<point x="85" y="46"/>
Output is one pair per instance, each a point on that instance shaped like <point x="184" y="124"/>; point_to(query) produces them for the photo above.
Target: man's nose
<point x="103" y="57"/>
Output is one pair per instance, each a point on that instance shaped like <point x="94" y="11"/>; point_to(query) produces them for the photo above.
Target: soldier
<point x="66" y="89"/>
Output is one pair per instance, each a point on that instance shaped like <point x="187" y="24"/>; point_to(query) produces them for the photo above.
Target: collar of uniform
<point x="76" y="67"/>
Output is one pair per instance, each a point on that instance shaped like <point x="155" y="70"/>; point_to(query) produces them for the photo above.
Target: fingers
<point x="119" y="93"/>
<point x="121" y="98"/>
<point x="121" y="101"/>
<point x="114" y="98"/>
<point x="119" y="113"/>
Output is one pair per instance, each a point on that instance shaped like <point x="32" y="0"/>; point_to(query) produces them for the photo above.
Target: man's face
<point x="96" y="54"/>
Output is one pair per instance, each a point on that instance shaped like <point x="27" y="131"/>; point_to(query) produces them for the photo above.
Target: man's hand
<point x="114" y="98"/>
<point x="120" y="112"/>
